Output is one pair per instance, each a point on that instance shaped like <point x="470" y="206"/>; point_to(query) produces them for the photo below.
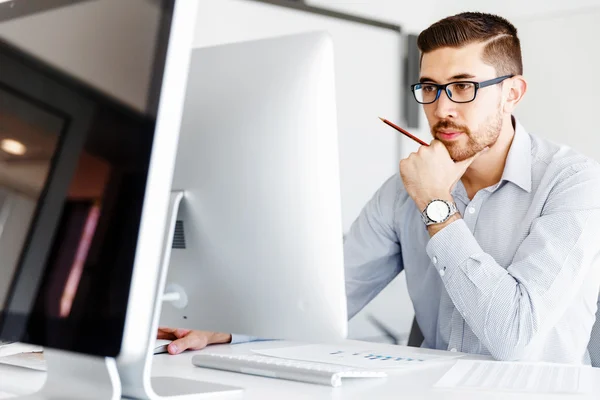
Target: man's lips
<point x="448" y="135"/>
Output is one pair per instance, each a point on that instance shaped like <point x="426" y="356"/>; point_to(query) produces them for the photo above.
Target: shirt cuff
<point x="236" y="339"/>
<point x="451" y="247"/>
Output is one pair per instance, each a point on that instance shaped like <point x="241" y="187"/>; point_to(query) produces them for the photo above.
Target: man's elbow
<point x="506" y="351"/>
<point x="514" y="342"/>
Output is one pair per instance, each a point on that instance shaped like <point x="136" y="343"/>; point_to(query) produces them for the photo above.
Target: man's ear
<point x="515" y="88"/>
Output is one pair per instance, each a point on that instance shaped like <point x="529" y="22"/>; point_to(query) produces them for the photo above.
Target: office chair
<point x="415" y="338"/>
<point x="594" y="345"/>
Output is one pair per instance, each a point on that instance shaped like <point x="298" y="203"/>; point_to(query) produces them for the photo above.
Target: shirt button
<point x="434" y="259"/>
<point x="442" y="272"/>
<point x="453" y="350"/>
<point x="471" y="210"/>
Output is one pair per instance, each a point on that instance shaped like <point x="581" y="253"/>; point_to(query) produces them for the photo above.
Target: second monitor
<point x="258" y="247"/>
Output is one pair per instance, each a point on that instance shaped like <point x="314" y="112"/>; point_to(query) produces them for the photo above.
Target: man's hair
<point x="502" y="49"/>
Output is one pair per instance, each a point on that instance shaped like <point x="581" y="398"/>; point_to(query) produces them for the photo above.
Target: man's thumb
<point x="181" y="345"/>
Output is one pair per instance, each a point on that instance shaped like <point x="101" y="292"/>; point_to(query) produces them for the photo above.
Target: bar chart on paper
<point x="355" y="357"/>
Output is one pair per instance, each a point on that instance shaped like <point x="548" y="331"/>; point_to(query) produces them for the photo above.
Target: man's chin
<point x="460" y="154"/>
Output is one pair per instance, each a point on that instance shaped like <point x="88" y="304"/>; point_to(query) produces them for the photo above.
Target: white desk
<point x="403" y="385"/>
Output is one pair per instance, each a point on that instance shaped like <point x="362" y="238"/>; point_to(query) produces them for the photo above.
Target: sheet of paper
<point x="16" y="348"/>
<point x="356" y="357"/>
<point x="26" y="360"/>
<point x="517" y="377"/>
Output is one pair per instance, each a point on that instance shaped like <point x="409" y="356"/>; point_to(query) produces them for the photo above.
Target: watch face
<point x="437" y="211"/>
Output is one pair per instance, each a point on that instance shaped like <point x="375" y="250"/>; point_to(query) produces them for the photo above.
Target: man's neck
<point x="488" y="168"/>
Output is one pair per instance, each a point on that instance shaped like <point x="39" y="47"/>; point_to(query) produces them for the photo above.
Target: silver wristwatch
<point x="438" y="211"/>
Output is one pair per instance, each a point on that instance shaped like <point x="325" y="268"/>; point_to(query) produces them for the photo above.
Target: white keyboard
<point x="302" y="371"/>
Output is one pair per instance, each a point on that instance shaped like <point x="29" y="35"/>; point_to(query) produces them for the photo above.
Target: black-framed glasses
<point x="458" y="92"/>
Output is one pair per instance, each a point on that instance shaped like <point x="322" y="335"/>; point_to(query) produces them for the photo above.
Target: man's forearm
<point x="219" y="338"/>
<point x="507" y="307"/>
<point x="496" y="307"/>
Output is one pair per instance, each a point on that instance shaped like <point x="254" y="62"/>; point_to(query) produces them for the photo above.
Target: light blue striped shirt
<point x="517" y="277"/>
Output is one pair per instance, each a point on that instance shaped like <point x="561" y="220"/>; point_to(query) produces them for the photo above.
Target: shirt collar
<point x="517" y="168"/>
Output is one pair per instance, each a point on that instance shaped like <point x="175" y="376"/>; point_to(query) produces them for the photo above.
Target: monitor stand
<point x="73" y="376"/>
<point x="135" y="375"/>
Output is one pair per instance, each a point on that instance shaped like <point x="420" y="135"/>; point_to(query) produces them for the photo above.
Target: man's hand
<point x="186" y="339"/>
<point x="430" y="173"/>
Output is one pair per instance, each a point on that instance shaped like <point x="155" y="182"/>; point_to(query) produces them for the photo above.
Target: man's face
<point x="467" y="128"/>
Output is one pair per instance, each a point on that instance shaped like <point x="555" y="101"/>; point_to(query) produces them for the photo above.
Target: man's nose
<point x="444" y="107"/>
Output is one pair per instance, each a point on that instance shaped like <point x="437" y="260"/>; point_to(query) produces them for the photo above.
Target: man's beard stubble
<point x="484" y="137"/>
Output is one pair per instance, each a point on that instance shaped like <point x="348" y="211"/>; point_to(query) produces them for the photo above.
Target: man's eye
<point x="463" y="86"/>
<point x="429" y="89"/>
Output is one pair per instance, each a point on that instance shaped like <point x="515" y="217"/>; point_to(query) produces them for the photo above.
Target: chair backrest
<point x="594" y="345"/>
<point x="415" y="338"/>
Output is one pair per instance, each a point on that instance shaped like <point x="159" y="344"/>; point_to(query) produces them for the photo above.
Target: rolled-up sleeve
<point x="508" y="308"/>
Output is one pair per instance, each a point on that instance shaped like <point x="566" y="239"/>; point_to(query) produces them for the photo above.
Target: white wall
<point x="562" y="71"/>
<point x="412" y="17"/>
<point x="515" y="10"/>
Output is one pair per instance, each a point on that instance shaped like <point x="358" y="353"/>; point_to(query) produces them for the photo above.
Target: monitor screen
<point x="79" y="89"/>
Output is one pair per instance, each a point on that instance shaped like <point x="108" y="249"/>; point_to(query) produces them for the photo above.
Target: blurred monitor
<point x="87" y="146"/>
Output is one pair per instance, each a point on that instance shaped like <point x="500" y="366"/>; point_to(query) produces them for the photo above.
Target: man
<point x="497" y="230"/>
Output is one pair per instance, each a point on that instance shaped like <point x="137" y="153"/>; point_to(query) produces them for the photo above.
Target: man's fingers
<point x="165" y="335"/>
<point x="179" y="333"/>
<point x="189" y="342"/>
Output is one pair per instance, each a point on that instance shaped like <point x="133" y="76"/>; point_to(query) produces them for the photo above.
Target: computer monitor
<point x="91" y="95"/>
<point x="258" y="242"/>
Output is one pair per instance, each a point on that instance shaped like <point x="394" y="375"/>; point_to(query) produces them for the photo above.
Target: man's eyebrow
<point x="424" y="79"/>
<point x="463" y="76"/>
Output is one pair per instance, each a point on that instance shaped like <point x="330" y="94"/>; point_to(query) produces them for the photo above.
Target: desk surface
<point x="416" y="384"/>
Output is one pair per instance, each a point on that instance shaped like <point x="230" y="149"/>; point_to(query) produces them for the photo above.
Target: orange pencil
<point x="396" y="127"/>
